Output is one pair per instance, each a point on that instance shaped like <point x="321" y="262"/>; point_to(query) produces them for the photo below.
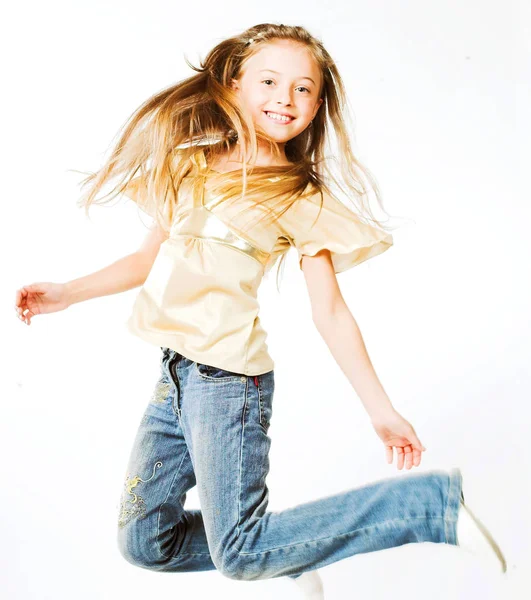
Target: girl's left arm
<point x="341" y="333"/>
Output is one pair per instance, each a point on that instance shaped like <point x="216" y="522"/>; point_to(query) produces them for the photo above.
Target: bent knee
<point x="241" y="569"/>
<point x="138" y="553"/>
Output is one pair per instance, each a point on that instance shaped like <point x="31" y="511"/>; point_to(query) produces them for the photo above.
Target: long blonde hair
<point x="157" y="143"/>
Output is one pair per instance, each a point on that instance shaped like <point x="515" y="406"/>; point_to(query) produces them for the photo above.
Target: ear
<point x="234" y="84"/>
<point x="318" y="106"/>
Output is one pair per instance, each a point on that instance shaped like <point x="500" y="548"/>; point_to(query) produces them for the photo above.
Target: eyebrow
<point x="277" y="73"/>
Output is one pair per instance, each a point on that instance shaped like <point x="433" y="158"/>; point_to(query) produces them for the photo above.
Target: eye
<point x="299" y="87"/>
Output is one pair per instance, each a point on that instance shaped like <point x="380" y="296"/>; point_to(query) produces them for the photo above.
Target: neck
<point x="264" y="158"/>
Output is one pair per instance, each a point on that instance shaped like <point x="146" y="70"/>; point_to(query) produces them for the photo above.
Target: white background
<point x="441" y="96"/>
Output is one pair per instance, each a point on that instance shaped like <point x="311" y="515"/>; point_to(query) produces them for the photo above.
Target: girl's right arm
<point x="126" y="273"/>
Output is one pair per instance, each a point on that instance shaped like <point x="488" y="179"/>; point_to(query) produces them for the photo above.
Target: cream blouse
<point x="200" y="297"/>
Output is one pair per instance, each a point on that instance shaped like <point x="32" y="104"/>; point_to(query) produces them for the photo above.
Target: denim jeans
<point x="208" y="427"/>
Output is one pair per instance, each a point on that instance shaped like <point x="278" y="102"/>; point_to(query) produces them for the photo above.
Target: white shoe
<point x="311" y="585"/>
<point x="475" y="538"/>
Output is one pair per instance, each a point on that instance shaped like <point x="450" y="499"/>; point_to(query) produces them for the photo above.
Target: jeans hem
<point x="455" y="493"/>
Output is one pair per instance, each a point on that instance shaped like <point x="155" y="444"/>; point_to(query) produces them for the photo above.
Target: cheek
<point x="256" y="99"/>
<point x="257" y="109"/>
<point x="306" y="109"/>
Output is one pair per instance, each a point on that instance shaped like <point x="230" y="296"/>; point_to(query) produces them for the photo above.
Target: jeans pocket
<point x="265" y="401"/>
<point x="217" y="374"/>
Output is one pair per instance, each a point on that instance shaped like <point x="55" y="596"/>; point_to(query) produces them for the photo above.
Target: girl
<point x="229" y="165"/>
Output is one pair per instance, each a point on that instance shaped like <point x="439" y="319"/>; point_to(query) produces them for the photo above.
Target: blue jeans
<point x="208" y="427"/>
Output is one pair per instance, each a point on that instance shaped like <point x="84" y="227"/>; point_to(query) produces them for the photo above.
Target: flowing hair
<point x="157" y="145"/>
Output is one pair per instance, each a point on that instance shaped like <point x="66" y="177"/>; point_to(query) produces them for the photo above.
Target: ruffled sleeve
<point x="334" y="227"/>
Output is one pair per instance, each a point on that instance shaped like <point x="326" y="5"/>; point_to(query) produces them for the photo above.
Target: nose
<point x="284" y="97"/>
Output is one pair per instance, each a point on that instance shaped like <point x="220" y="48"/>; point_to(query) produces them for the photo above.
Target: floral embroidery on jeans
<point x="135" y="505"/>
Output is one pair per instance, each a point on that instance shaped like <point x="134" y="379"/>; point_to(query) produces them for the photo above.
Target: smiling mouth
<point x="279" y="119"/>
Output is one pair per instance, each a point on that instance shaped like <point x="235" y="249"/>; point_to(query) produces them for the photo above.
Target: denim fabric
<point x="208" y="427"/>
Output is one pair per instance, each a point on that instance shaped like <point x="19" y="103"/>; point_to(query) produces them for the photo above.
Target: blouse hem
<point x="167" y="341"/>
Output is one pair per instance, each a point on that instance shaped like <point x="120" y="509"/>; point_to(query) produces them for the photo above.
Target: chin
<point x="276" y="135"/>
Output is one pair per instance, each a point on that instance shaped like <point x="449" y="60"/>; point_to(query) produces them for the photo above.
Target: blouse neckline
<point x="199" y="160"/>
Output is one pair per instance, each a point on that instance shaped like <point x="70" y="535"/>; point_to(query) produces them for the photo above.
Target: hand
<point x="394" y="430"/>
<point x="40" y="298"/>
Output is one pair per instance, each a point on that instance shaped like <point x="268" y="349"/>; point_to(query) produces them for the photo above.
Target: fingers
<point x="416" y="442"/>
<point x="20" y="294"/>
<point x="408" y="455"/>
<point x="24" y="316"/>
<point x="19" y="309"/>
<point x="21" y="303"/>
<point x="21" y="306"/>
<point x="400" y="459"/>
<point x="413" y="452"/>
<point x="412" y="457"/>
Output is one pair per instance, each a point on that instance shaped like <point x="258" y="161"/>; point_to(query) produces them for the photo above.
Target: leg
<point x="225" y="418"/>
<point x="154" y="530"/>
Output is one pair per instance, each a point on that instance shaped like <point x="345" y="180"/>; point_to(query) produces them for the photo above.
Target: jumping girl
<point x="230" y="166"/>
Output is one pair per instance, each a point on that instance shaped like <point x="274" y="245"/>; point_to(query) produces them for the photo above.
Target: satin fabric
<point x="200" y="297"/>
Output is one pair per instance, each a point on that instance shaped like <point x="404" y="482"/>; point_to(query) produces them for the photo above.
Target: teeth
<point x="277" y="117"/>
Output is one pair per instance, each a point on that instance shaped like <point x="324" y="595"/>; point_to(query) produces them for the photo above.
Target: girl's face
<point x="281" y="78"/>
